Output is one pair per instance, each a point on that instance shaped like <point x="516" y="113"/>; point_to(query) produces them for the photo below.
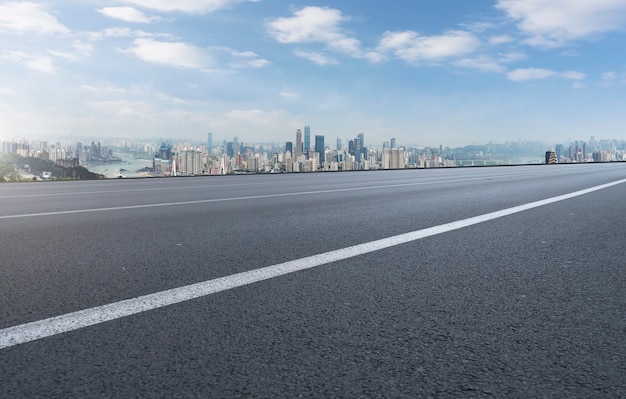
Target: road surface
<point x="478" y="282"/>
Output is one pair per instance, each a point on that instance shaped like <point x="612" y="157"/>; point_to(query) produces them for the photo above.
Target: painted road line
<point x="88" y="317"/>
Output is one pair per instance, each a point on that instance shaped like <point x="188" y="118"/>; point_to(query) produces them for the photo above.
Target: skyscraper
<point x="289" y="147"/>
<point x="358" y="149"/>
<point x="319" y="147"/>
<point x="307" y="138"/>
<point x="339" y="144"/>
<point x="393" y="143"/>
<point x="209" y="142"/>
<point x="361" y="136"/>
<point x="298" y="143"/>
<point x="235" y="145"/>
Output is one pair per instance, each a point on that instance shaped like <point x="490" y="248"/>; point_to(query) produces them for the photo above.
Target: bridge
<point x="469" y="282"/>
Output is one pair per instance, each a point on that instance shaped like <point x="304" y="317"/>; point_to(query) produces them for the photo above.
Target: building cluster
<point x="310" y="153"/>
<point x="305" y="154"/>
<point x="592" y="151"/>
<point x="59" y="152"/>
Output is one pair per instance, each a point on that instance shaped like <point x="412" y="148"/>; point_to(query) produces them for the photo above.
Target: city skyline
<point x="453" y="72"/>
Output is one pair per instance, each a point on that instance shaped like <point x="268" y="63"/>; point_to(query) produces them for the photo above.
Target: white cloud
<point x="490" y="63"/>
<point x="172" y="99"/>
<point x="612" y="77"/>
<point x="35" y="62"/>
<point x="258" y="63"/>
<point x="41" y="64"/>
<point x="478" y="26"/>
<point x="501" y="39"/>
<point x="523" y="74"/>
<point x="103" y="90"/>
<point x="121" y="31"/>
<point x="64" y="54"/>
<point x="511" y="57"/>
<point x="609" y="76"/>
<point x="573" y="75"/>
<point x="286" y="94"/>
<point x="318" y="58"/>
<point x="188" y="6"/>
<point x="127" y="14"/>
<point x="411" y="47"/>
<point x="319" y="25"/>
<point x="5" y="91"/>
<point x="29" y="17"/>
<point x="310" y="24"/>
<point x="554" y="23"/>
<point x="178" y="54"/>
<point x="483" y="63"/>
<point x="81" y="48"/>
<point x="250" y="59"/>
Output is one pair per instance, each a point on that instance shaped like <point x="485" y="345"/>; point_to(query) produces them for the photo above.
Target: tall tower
<point x="298" y="144"/>
<point x="209" y="142"/>
<point x="358" y="149"/>
<point x="307" y="138"/>
<point x="361" y="136"/>
<point x="319" y="148"/>
<point x="393" y="143"/>
<point x="235" y="145"/>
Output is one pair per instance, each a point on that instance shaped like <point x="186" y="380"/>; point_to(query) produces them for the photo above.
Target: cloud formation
<point x="127" y="14"/>
<point x="35" y="62"/>
<point x="318" y="58"/>
<point x="249" y="58"/>
<point x="319" y="25"/>
<point x="412" y="47"/>
<point x="554" y="23"/>
<point x="25" y="17"/>
<point x="524" y="74"/>
<point x="187" y="6"/>
<point x="177" y="54"/>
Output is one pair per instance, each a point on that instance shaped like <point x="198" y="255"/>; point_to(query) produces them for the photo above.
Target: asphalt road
<point x="531" y="304"/>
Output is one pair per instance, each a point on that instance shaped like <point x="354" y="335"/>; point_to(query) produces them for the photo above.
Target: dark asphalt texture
<point x="529" y="305"/>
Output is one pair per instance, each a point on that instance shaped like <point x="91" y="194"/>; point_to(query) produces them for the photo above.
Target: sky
<point x="451" y="72"/>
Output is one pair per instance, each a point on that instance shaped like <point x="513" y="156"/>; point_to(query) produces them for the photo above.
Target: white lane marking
<point x="23" y="333"/>
<point x="251" y="197"/>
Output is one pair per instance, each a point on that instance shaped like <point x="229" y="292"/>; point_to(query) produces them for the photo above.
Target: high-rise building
<point x="559" y="151"/>
<point x="361" y="137"/>
<point x="230" y="149"/>
<point x="307" y="138"/>
<point x="319" y="148"/>
<point x="289" y="147"/>
<point x="298" y="153"/>
<point x="393" y="143"/>
<point x="358" y="149"/>
<point x="338" y="144"/>
<point x="393" y="158"/>
<point x="551" y="157"/>
<point x="209" y="142"/>
<point x="236" y="145"/>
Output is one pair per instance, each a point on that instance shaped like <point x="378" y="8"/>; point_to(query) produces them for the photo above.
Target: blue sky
<point x="449" y="72"/>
